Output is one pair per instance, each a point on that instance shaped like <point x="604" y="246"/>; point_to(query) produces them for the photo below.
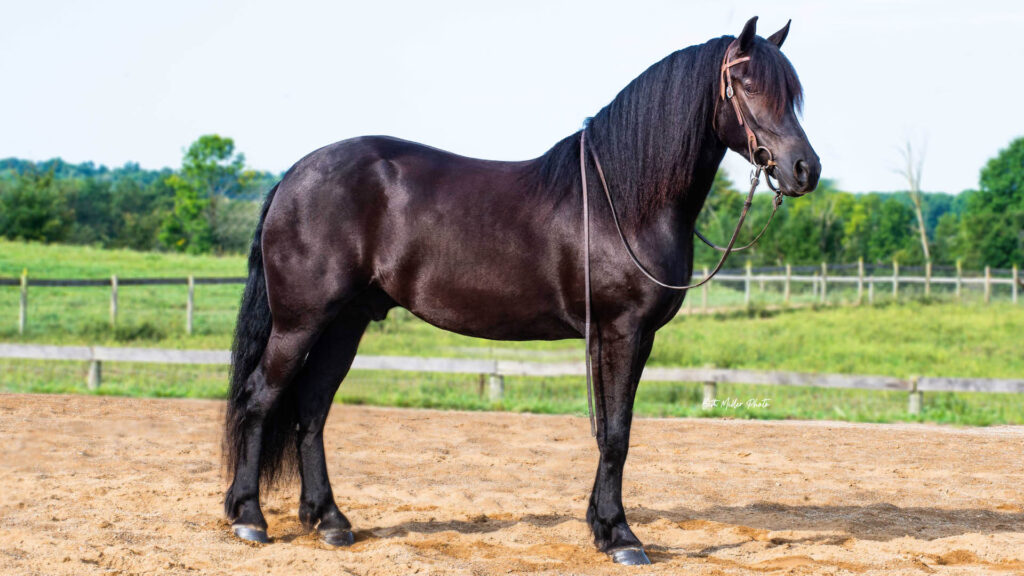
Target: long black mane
<point x="653" y="137"/>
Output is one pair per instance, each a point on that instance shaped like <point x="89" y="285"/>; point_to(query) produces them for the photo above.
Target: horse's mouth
<point x="782" y="186"/>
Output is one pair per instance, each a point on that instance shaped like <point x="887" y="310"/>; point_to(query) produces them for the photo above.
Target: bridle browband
<point x="726" y="92"/>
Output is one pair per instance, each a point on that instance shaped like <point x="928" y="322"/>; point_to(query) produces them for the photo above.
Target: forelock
<point x="774" y="76"/>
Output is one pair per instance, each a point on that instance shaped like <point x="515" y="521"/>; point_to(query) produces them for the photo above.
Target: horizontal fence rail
<point x="78" y="282"/>
<point x="496" y="370"/>
<point x="863" y="277"/>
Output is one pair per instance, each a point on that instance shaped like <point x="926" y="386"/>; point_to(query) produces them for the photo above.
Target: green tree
<point x="210" y="169"/>
<point x="138" y="210"/>
<point x="234" y="223"/>
<point x="857" y="225"/>
<point x="950" y="241"/>
<point x="994" y="222"/>
<point x="90" y="200"/>
<point x="891" y="236"/>
<point x="718" y="217"/>
<point x="34" y="206"/>
<point x="805" y="231"/>
<point x="186" y="228"/>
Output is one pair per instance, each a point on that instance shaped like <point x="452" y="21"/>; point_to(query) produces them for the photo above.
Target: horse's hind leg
<point x="325" y="368"/>
<point x="281" y="360"/>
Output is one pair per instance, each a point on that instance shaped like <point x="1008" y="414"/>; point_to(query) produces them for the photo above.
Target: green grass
<point x="563" y="395"/>
<point x="147" y="315"/>
<point x="920" y="337"/>
<point x="60" y="261"/>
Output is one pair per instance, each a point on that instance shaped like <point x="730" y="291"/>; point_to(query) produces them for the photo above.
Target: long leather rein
<point x="726" y="92"/>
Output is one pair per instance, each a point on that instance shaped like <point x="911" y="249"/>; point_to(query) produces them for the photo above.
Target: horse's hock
<point x="94" y="484"/>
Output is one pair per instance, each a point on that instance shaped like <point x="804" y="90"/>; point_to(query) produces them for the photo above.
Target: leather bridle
<point x="726" y="92"/>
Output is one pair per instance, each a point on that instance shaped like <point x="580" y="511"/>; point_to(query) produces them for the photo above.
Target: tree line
<point x="210" y="204"/>
<point x="978" y="227"/>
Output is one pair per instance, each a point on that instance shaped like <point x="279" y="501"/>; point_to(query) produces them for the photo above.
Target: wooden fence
<point x="495" y="371"/>
<point x="864" y="282"/>
<point x="115" y="283"/>
<point x="865" y="279"/>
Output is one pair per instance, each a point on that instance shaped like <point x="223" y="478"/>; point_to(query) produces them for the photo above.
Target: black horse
<point x="493" y="250"/>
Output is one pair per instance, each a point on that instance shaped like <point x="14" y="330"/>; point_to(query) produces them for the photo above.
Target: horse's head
<point x="759" y="96"/>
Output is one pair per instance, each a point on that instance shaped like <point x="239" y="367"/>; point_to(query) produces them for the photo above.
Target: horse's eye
<point x="749" y="88"/>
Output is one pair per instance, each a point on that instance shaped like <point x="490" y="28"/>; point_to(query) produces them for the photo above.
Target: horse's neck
<point x="677" y="217"/>
<point x="692" y="201"/>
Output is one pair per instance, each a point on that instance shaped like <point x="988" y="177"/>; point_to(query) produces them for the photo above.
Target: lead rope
<point x="586" y="283"/>
<point x="726" y="92"/>
<point x="776" y="202"/>
<point x="755" y="179"/>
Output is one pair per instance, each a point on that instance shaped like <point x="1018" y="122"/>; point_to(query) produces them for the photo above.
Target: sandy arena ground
<point x="94" y="485"/>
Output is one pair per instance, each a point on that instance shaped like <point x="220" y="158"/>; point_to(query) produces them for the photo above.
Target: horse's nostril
<point x="800" y="170"/>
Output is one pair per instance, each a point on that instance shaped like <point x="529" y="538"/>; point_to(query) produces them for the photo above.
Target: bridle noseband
<point x="726" y="92"/>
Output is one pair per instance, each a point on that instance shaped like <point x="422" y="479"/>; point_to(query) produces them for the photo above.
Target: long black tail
<point x="252" y="332"/>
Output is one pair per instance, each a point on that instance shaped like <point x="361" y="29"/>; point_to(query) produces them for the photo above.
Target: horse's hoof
<point x="630" y="557"/>
<point x="337" y="537"/>
<point x="250" y="533"/>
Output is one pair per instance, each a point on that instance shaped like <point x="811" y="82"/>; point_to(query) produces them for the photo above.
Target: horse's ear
<point x="779" y="37"/>
<point x="747" y="36"/>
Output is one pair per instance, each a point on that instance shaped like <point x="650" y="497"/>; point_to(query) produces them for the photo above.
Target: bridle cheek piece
<point x="727" y="93"/>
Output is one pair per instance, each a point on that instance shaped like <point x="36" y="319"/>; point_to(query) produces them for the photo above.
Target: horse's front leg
<point x="618" y="363"/>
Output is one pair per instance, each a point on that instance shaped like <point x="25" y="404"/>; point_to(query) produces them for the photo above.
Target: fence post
<point x="871" y="289"/>
<point x="710" y="390"/>
<point x="113" y="301"/>
<point x="860" y="280"/>
<point x="746" y="285"/>
<point x="496" y="387"/>
<point x="704" y="289"/>
<point x="895" y="279"/>
<point x="959" y="279"/>
<point x="928" y="278"/>
<point x="95" y="374"/>
<point x="915" y="397"/>
<point x="988" y="284"/>
<point x="190" y="304"/>
<point x="1015" y="285"/>
<point x="824" y="283"/>
<point x="786" y="289"/>
<point x="23" y="302"/>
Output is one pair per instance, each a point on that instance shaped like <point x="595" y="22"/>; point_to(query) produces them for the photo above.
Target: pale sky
<point x="114" y="82"/>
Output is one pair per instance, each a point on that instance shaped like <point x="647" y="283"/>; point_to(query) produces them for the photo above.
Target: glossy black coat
<point x="492" y="250"/>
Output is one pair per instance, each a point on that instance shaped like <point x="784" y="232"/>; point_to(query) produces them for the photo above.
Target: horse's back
<point x="440" y="234"/>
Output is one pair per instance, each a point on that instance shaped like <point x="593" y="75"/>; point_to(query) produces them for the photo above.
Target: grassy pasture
<point x="933" y="337"/>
